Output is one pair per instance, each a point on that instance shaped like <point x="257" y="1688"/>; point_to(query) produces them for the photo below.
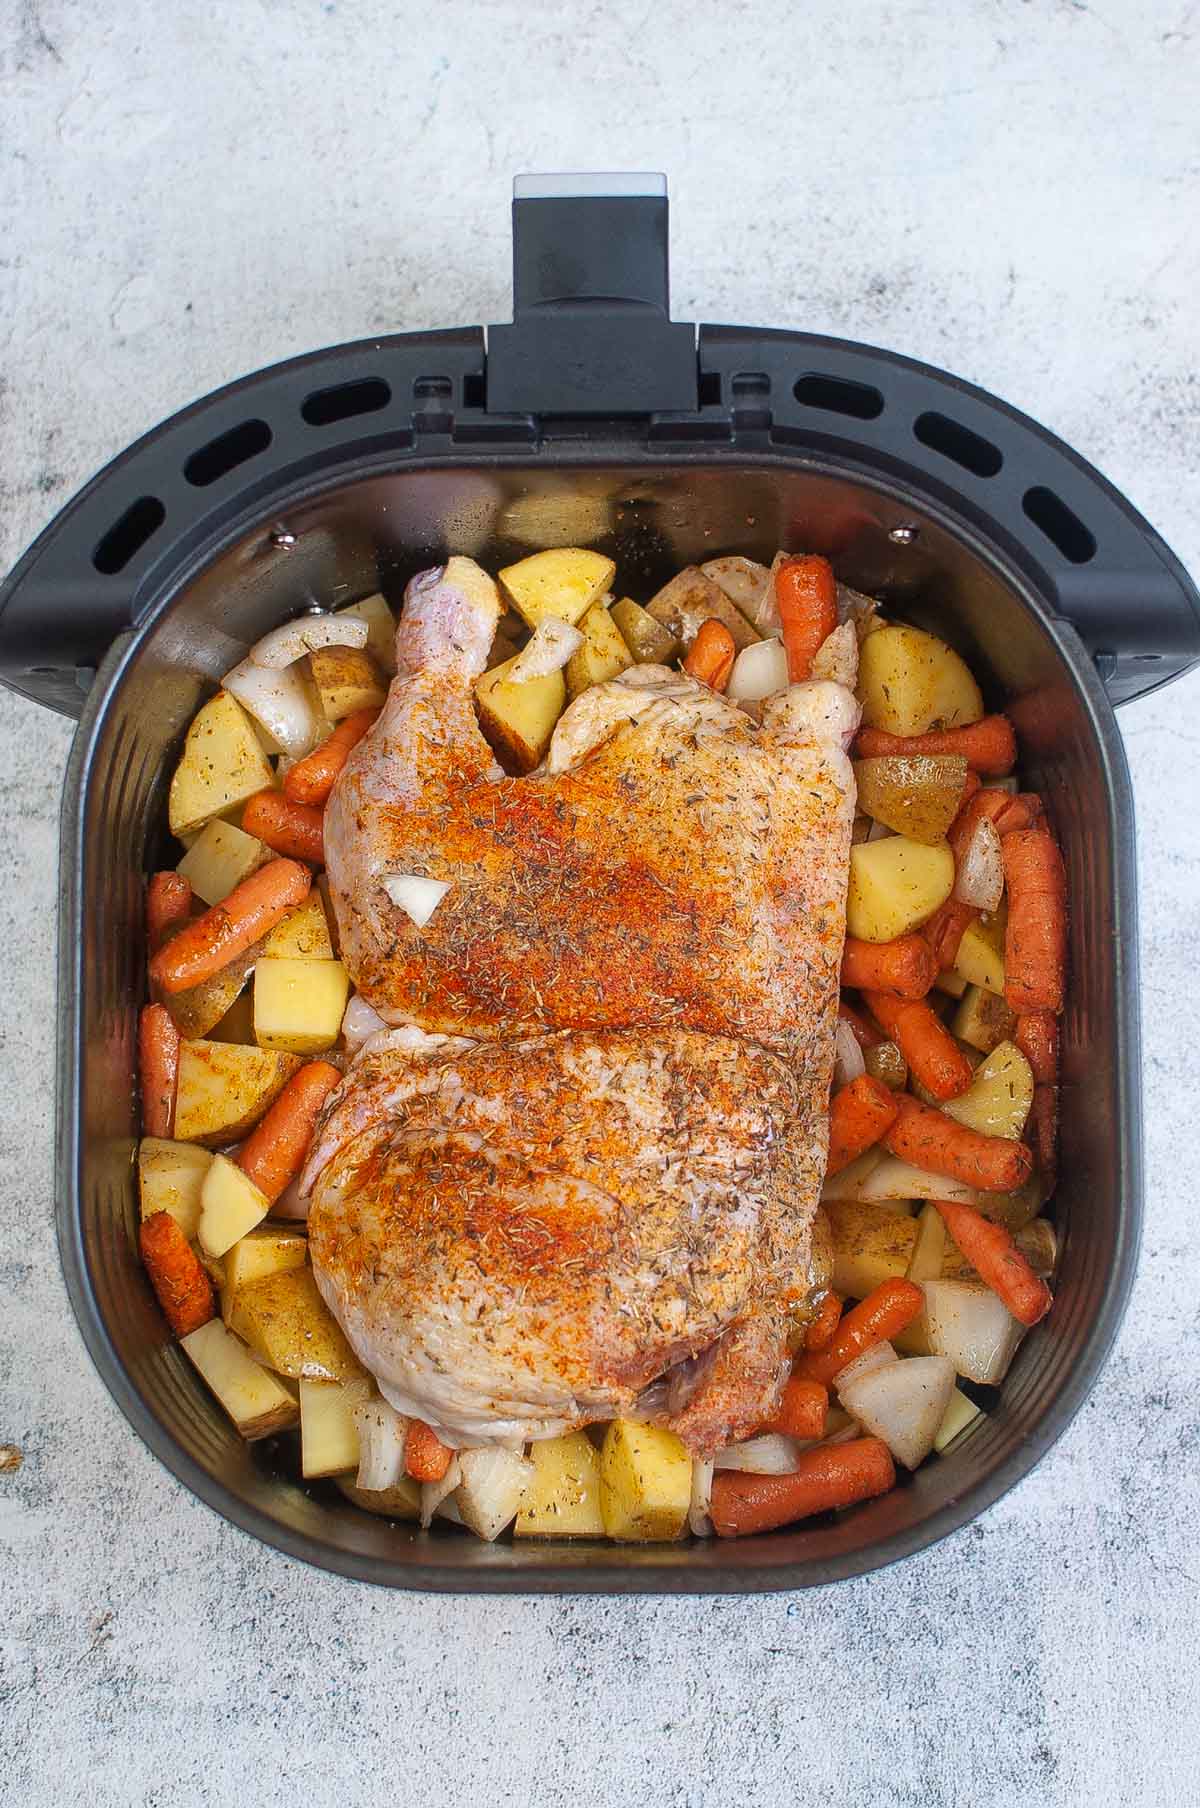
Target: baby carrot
<point x="929" y="1139"/>
<point x="711" y="656"/>
<point x="822" y="1329"/>
<point x="158" y="1061"/>
<point x="905" y="966"/>
<point x="806" y="595"/>
<point x="944" y="930"/>
<point x="274" y="1151"/>
<point x="924" y="1041"/>
<point x="997" y="1260"/>
<point x="203" y="947"/>
<point x="311" y="779"/>
<point x="865" y="1035"/>
<point x="168" y="901"/>
<point x="989" y="745"/>
<point x="184" y="1290"/>
<point x="1035" y="939"/>
<point x="1036" y="1036"/>
<point x="858" y="1116"/>
<point x="833" y="1475"/>
<point x="802" y="1410"/>
<point x="426" y="1458"/>
<point x="889" y="1309"/>
<point x="295" y="830"/>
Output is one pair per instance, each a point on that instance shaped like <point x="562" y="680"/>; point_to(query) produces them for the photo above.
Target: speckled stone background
<point x="1010" y="190"/>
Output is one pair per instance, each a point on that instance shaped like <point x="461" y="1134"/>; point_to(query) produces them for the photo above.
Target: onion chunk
<point x="417" y="896"/>
<point x="284" y="645"/>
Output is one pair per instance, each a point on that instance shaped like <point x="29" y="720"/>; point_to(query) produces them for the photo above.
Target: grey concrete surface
<point x="1010" y="190"/>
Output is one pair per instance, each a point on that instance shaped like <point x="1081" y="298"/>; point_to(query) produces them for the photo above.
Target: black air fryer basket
<point x="591" y="419"/>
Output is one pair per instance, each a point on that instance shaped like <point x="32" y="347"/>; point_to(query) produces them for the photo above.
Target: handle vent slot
<point x="342" y="401"/>
<point x="128" y="534"/>
<point x="226" y="452"/>
<point x="839" y="395"/>
<point x="1061" y="525"/>
<point x="958" y="443"/>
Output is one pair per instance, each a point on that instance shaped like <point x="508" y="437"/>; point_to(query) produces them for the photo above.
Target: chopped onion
<point x="382" y="1435"/>
<point x="699" y="1523"/>
<point x="770" y="1454"/>
<point x="359" y="1022"/>
<point x="847" y="1185"/>
<point x="284" y="645"/>
<point x="418" y="897"/>
<point x="903" y="1404"/>
<point x="552" y="644"/>
<point x="434" y="1493"/>
<point x="896" y="1179"/>
<point x="836" y="658"/>
<point x="758" y="671"/>
<point x="980" y="877"/>
<point x="281" y="701"/>
<point x="848" y="1063"/>
<point x="744" y="581"/>
<point x="876" y="1356"/>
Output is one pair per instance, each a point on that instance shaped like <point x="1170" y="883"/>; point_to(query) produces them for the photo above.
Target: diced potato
<point x="895" y="884"/>
<point x="980" y="957"/>
<point x="563" y="1499"/>
<point x="910" y="682"/>
<point x="286" y="1322"/>
<point x="221" y="856"/>
<point x="885" y="1063"/>
<point x="925" y="1264"/>
<point x="1015" y="1210"/>
<point x="170" y="1176"/>
<point x="691" y="599"/>
<point x="645" y="1482"/>
<point x="328" y="1434"/>
<point x="871" y="1243"/>
<point x="951" y="983"/>
<point x="1038" y="1243"/>
<point x="519" y="719"/>
<point x="983" y="1020"/>
<point x="960" y="1413"/>
<point x="260" y="1253"/>
<point x="564" y="581"/>
<point x="299" y="1004"/>
<point x="221" y="766"/>
<point x="916" y="794"/>
<point x="381" y="629"/>
<point x="603" y="654"/>
<point x="647" y="639"/>
<point x="347" y="678"/>
<point x="303" y="934"/>
<point x="258" y="1404"/>
<point x="492" y="1484"/>
<point x="999" y="1098"/>
<point x="237" y="1025"/>
<point x="223" y="1089"/>
<point x="508" y="639"/>
<point x="402" y="1501"/>
<point x="230" y="1206"/>
<point x="973" y="1327"/>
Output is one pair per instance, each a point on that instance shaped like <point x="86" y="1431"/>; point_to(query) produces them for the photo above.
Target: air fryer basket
<point x="589" y="420"/>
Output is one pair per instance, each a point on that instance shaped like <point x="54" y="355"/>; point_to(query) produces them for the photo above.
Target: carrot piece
<point x="866" y="1035"/>
<point x="806" y="596"/>
<point x="1036" y="1036"/>
<point x="311" y="779"/>
<point x="905" y="966"/>
<point x="426" y="1458"/>
<point x="945" y="929"/>
<point x="1035" y="939"/>
<point x="158" y="1063"/>
<point x="711" y="656"/>
<point x="294" y="830"/>
<point x="184" y="1290"/>
<point x="997" y="1260"/>
<point x="168" y="901"/>
<point x="929" y="1139"/>
<point x="887" y="1310"/>
<point x="925" y="1042"/>
<point x="822" y="1329"/>
<point x="209" y="943"/>
<point x="858" y="1116"/>
<point x="802" y="1410"/>
<point x="988" y="745"/>
<point x="274" y="1151"/>
<point x="833" y="1475"/>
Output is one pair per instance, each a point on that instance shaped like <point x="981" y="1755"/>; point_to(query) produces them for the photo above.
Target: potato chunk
<point x="256" y="1402"/>
<point x="603" y="654"/>
<point x="564" y="581"/>
<point x="401" y="1501"/>
<point x="381" y="629"/>
<point x="230" y="1206"/>
<point x="221" y="766"/>
<point x="647" y="639"/>
<point x="645" y="1483"/>
<point x="895" y="884"/>
<point x="221" y="856"/>
<point x="519" y="719"/>
<point x="691" y="599"/>
<point x="328" y="1434"/>
<point x="299" y="1004"/>
<point x="286" y="1322"/>
<point x="918" y="795"/>
<point x="303" y="934"/>
<point x="871" y="1243"/>
<point x="980" y="957"/>
<point x="224" y="1089"/>
<point x="983" y="1020"/>
<point x="999" y="1098"/>
<point x="170" y="1176"/>
<point x="563" y="1499"/>
<point x="910" y="682"/>
<point x="347" y="679"/>
<point x="259" y="1253"/>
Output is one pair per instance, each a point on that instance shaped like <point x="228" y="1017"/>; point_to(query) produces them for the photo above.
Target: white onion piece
<point x="876" y="1356"/>
<point x="743" y="581"/>
<point x="416" y="896"/>
<point x="904" y="1405"/>
<point x="770" y="1454"/>
<point x="759" y="671"/>
<point x="382" y="1435"/>
<point x="846" y="1435"/>
<point x="434" y="1493"/>
<point x="848" y="1063"/>
<point x="836" y="659"/>
<point x="980" y="877"/>
<point x="284" y="645"/>
<point x="281" y="702"/>
<point x="896" y="1179"/>
<point x="552" y="644"/>
<point x="292" y="1204"/>
<point x="849" y="1182"/>
<point x="359" y="1022"/>
<point x="700" y="1524"/>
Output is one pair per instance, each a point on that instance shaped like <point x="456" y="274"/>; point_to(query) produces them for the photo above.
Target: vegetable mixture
<point x="942" y="1118"/>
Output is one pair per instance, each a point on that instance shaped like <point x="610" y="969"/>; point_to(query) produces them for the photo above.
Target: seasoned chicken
<point x="672" y="862"/>
<point x="519" y="1238"/>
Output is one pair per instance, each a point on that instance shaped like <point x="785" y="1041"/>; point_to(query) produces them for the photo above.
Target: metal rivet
<point x="282" y="536"/>
<point x="904" y="535"/>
